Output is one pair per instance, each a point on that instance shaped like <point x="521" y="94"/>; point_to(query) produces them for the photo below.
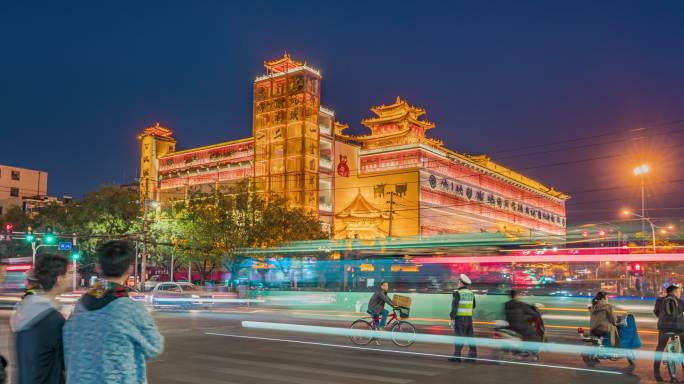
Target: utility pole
<point x="146" y="230"/>
<point x="391" y="212"/>
<point x="643" y="207"/>
<point x="74" y="262"/>
<point x="143" y="262"/>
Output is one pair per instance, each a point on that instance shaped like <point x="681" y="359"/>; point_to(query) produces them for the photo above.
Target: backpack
<point x="3" y="371"/>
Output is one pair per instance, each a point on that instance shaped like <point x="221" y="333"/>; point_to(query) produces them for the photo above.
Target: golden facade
<point x="393" y="181"/>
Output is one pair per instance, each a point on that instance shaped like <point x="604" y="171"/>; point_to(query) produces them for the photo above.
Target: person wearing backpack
<point x="670" y="312"/>
<point x="38" y="324"/>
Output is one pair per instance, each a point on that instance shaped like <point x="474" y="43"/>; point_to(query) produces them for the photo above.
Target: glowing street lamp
<point x="627" y="212"/>
<point x="641" y="170"/>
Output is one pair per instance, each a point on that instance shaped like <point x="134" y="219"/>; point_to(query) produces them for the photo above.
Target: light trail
<point x="411" y="353"/>
<point x="508" y="259"/>
<point x="205" y="300"/>
<point x="570" y="349"/>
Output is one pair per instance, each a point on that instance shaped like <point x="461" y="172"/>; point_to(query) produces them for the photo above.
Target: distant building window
<point x="15" y="175"/>
<point x="14" y="192"/>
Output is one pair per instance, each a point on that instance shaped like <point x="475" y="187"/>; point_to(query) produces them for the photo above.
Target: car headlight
<point x="195" y="296"/>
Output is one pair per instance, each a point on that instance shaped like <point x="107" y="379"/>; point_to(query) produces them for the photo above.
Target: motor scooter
<point x="512" y="345"/>
<point x="599" y="351"/>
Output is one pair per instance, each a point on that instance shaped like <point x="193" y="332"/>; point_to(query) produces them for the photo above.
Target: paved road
<point x="213" y="347"/>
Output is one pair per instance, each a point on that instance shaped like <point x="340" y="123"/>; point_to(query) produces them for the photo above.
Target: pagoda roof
<point x="361" y="208"/>
<point x="398" y="112"/>
<point x="282" y="64"/>
<point x="158" y="131"/>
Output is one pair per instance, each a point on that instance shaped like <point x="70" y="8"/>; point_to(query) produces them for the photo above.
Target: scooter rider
<point x="461" y="315"/>
<point x="521" y="316"/>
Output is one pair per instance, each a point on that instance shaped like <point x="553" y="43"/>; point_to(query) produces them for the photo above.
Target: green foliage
<point x="15" y="216"/>
<point x="209" y="228"/>
<point x="108" y="213"/>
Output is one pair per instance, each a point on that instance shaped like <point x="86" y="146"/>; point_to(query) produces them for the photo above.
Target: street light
<point x="641" y="171"/>
<point x="644" y="218"/>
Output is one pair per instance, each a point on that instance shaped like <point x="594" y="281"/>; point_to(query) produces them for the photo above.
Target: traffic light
<point x="9" y="228"/>
<point x="30" y="237"/>
<point x="49" y="237"/>
<point x="75" y="255"/>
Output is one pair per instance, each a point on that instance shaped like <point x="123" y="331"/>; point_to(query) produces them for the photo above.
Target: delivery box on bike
<point x="401" y="301"/>
<point x="404" y="305"/>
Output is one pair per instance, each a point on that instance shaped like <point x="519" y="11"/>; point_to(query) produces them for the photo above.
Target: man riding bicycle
<point x="376" y="304"/>
<point x="670" y="312"/>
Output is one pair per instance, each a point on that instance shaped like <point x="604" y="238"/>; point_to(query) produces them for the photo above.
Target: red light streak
<point x="22" y="268"/>
<point x="554" y="258"/>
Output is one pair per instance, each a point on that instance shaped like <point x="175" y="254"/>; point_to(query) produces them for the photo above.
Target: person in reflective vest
<point x="461" y="315"/>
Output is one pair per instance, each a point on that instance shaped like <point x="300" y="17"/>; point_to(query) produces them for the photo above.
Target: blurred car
<point x="180" y="295"/>
<point x="152" y="282"/>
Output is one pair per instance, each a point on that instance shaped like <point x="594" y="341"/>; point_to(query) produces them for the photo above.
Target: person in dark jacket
<point x="670" y="312"/>
<point x="376" y="304"/>
<point x="521" y="316"/>
<point x="38" y="324"/>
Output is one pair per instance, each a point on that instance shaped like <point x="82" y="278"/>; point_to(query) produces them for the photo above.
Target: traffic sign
<point x="65" y="246"/>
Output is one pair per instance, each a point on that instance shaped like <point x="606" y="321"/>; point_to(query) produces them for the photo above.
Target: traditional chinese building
<point x="393" y="181"/>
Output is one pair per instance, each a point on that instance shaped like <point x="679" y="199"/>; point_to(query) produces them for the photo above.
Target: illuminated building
<point x="393" y="181"/>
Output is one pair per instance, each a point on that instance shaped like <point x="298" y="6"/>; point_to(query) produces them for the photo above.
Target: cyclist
<point x="376" y="304"/>
<point x="670" y="312"/>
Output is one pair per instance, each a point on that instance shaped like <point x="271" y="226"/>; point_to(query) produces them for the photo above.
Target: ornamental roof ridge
<point x="399" y="111"/>
<point x="157" y="130"/>
<point x="360" y="207"/>
<point x="210" y="146"/>
<point x="487" y="163"/>
<point x="283" y="63"/>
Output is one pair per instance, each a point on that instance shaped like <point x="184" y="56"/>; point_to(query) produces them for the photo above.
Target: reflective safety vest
<point x="466" y="302"/>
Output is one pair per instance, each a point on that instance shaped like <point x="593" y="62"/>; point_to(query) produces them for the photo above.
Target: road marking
<point x="410" y="353"/>
<point x="267" y="377"/>
<point x="360" y="367"/>
<point x="304" y="369"/>
<point x="193" y="380"/>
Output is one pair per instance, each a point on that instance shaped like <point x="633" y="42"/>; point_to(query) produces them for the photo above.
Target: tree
<point x="20" y="220"/>
<point x="108" y="213"/>
<point x="211" y="227"/>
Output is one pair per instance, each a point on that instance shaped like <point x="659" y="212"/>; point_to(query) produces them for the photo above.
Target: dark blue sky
<point x="78" y="81"/>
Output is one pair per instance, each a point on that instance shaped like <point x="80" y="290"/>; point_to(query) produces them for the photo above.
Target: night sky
<point x="555" y="90"/>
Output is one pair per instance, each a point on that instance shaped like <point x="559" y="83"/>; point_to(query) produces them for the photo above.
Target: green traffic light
<point x="76" y="255"/>
<point x="49" y="238"/>
<point x="30" y="238"/>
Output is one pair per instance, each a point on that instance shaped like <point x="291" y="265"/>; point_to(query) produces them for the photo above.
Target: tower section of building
<point x="286" y="132"/>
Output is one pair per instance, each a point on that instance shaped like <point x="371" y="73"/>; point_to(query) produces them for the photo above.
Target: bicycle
<point x="403" y="332"/>
<point x="672" y="354"/>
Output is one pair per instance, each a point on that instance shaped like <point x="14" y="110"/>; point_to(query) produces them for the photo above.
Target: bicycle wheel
<point x="361" y="325"/>
<point x="672" y="352"/>
<point x="403" y="333"/>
